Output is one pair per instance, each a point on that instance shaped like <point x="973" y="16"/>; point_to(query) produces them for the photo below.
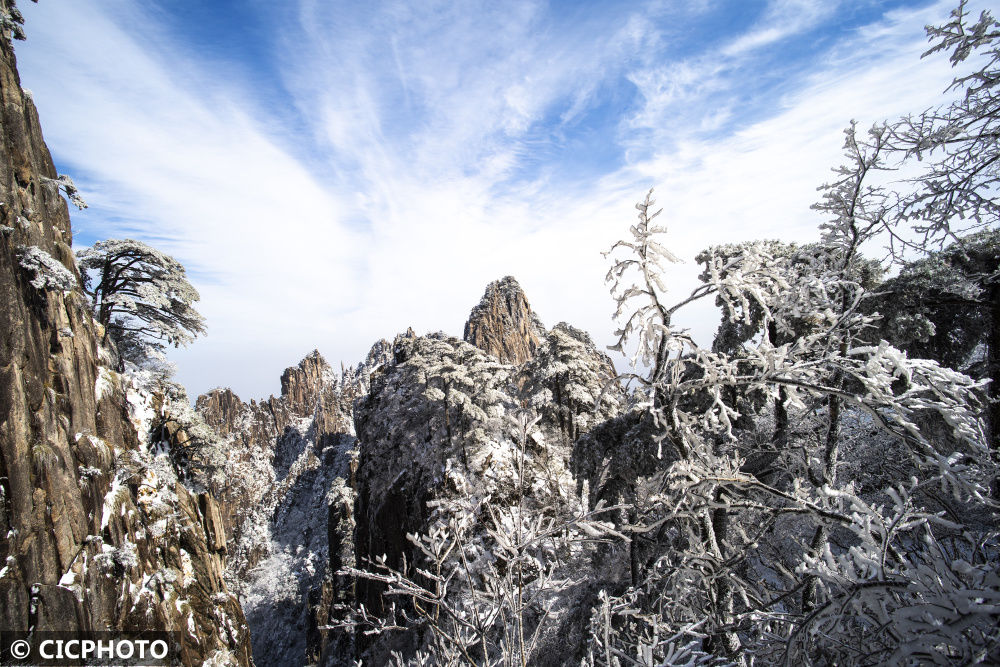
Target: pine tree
<point x="140" y="295"/>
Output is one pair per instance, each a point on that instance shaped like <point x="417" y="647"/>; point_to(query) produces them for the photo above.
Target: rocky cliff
<point x="288" y="504"/>
<point x="97" y="530"/>
<point x="503" y="323"/>
<point x="438" y="431"/>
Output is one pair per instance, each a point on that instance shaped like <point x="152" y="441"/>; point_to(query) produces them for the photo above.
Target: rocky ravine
<point x="96" y="531"/>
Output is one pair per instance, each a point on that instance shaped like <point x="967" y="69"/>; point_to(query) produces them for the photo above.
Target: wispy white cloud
<point x="759" y="180"/>
<point x="187" y="168"/>
<point x="781" y="19"/>
<point x="422" y="153"/>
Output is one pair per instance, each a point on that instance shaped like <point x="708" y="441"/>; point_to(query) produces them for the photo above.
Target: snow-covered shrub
<point x="117" y="561"/>
<point x="490" y="579"/>
<point x="50" y="274"/>
<point x="743" y="551"/>
<point x="570" y="384"/>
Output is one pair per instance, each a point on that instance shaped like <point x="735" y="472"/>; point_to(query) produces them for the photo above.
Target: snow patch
<point x="221" y="658"/>
<point x="187" y="570"/>
<point x="105" y="381"/>
<point x="113" y="497"/>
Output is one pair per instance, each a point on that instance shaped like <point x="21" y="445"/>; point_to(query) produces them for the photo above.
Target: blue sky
<point x="332" y="173"/>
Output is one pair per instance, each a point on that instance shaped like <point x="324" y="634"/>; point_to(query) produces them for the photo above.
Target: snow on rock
<point x="49" y="273"/>
<point x="79" y="552"/>
<point x="286" y="456"/>
<point x="342" y="465"/>
<point x="103" y="384"/>
<point x="436" y="437"/>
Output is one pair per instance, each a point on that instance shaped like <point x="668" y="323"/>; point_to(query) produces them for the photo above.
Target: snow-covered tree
<point x="956" y="144"/>
<point x="488" y="551"/>
<point x="946" y="307"/>
<point x="719" y="518"/>
<point x="800" y="492"/>
<point x="494" y="574"/>
<point x="140" y="295"/>
<point x="881" y="528"/>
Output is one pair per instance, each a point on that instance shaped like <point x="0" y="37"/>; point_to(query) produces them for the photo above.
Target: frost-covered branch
<point x="65" y="183"/>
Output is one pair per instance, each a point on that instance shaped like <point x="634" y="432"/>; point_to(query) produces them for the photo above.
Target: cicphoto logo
<point x="95" y="648"/>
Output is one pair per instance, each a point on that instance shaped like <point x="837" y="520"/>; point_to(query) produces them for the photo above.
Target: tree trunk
<point x="993" y="366"/>
<point x="557" y="387"/>
<point x="829" y="477"/>
<point x="633" y="552"/>
<point x="724" y="640"/>
<point x="761" y="463"/>
<point x="812" y="584"/>
<point x="447" y="413"/>
<point x="781" y="404"/>
<point x="993" y="372"/>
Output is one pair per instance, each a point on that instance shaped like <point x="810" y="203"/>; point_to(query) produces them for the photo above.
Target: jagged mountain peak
<point x="302" y="384"/>
<point x="310" y="364"/>
<point x="575" y="333"/>
<point x="503" y="323"/>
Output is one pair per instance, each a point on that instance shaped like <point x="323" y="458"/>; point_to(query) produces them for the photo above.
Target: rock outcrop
<point x="435" y="432"/>
<point x="503" y="323"/>
<point x="341" y="467"/>
<point x="288" y="507"/>
<point x="97" y="531"/>
<point x="571" y="383"/>
<point x="222" y="410"/>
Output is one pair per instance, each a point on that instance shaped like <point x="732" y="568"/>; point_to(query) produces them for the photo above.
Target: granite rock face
<point x="288" y="506"/>
<point x="503" y="323"/>
<point x="97" y="532"/>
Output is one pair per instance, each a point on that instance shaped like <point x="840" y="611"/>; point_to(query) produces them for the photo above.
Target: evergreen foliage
<point x="141" y="296"/>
